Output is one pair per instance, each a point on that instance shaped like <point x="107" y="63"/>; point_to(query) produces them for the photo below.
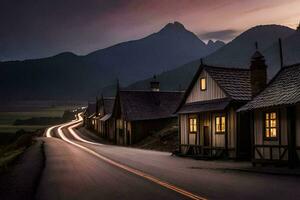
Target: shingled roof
<point x="235" y="82"/>
<point x="283" y="89"/>
<point x="147" y="105"/>
<point x="204" y="106"/>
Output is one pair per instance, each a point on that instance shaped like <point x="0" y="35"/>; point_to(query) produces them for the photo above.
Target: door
<point x="206" y="135"/>
<point x="243" y="136"/>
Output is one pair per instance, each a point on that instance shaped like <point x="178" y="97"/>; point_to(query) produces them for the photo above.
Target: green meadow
<point x="12" y="141"/>
<point x="7" y="119"/>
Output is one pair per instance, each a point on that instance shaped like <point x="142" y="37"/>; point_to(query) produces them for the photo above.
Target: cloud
<point x="224" y="35"/>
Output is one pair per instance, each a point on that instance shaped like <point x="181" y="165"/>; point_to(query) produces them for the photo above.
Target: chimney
<point x="298" y="28"/>
<point x="258" y="73"/>
<point x="154" y="84"/>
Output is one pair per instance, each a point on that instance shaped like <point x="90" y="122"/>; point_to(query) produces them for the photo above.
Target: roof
<point x="204" y="106"/>
<point x="106" y="117"/>
<point x="235" y="82"/>
<point x="91" y="109"/>
<point x="147" y="105"/>
<point x="283" y="89"/>
<point x="92" y="115"/>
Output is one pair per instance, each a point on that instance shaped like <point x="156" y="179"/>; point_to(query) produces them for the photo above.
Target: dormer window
<point x="202" y="84"/>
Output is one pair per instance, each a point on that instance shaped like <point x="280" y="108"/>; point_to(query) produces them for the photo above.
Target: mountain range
<point x="69" y="76"/>
<point x="173" y="54"/>
<point x="237" y="54"/>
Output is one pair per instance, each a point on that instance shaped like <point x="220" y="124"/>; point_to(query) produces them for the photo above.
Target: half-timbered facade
<point x="276" y="119"/>
<point x="210" y="126"/>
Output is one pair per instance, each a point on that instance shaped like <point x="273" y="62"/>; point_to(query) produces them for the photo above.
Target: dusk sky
<point x="39" y="28"/>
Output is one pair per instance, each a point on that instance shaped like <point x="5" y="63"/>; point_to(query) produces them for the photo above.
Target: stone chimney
<point x="154" y="84"/>
<point x="258" y="73"/>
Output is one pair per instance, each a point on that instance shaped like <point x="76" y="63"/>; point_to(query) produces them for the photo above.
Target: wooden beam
<point x="211" y="133"/>
<point x="179" y="133"/>
<point x="252" y="136"/>
<point x="227" y="123"/>
<point x="237" y="133"/>
<point x="260" y="155"/>
<point x="283" y="154"/>
<point x="291" y="115"/>
<point x="279" y="129"/>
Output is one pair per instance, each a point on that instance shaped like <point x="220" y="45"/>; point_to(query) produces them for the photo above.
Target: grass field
<point x="7" y="118"/>
<point x="8" y="157"/>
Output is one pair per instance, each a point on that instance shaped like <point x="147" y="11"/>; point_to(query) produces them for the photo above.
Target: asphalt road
<point x="77" y="167"/>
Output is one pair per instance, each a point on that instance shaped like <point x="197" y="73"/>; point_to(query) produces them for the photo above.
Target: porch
<point x="275" y="154"/>
<point x="203" y="152"/>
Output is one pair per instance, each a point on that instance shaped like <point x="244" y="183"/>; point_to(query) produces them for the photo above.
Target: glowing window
<point x="193" y="125"/>
<point x="271" y="124"/>
<point x="220" y="124"/>
<point x="119" y="124"/>
<point x="203" y="84"/>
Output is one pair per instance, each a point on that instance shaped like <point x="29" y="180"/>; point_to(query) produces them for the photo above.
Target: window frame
<point x="201" y="78"/>
<point x="220" y="116"/>
<point x="277" y="126"/>
<point x="189" y="124"/>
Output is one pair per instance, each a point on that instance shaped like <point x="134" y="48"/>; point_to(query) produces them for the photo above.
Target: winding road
<point x="79" y="167"/>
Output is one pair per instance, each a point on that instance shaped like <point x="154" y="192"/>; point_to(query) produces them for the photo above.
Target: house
<point x="105" y="123"/>
<point x="88" y="116"/>
<point x="209" y="125"/>
<point x="141" y="113"/>
<point x="275" y="123"/>
<point x="98" y="118"/>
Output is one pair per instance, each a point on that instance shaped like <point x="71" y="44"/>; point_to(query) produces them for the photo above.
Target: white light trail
<point x="119" y="165"/>
<point x="49" y="130"/>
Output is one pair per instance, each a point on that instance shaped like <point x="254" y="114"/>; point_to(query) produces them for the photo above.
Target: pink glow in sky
<point x="48" y="27"/>
<point x="204" y="16"/>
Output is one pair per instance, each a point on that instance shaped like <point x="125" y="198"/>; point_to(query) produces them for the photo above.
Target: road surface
<point x="78" y="167"/>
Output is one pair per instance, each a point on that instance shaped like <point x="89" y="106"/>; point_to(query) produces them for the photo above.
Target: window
<point x="203" y="84"/>
<point x="220" y="124"/>
<point x="119" y="124"/>
<point x="271" y="125"/>
<point x="193" y="125"/>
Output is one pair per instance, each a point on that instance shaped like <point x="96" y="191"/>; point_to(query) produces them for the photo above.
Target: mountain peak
<point x="210" y="42"/>
<point x="213" y="46"/>
<point x="65" y="54"/>
<point x="176" y="26"/>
